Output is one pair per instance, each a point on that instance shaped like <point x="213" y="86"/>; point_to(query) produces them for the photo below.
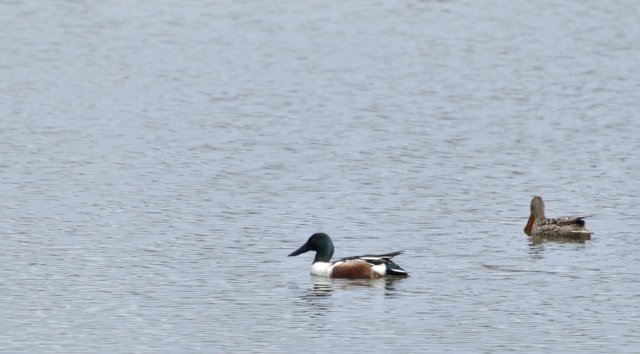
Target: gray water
<point x="160" y="159"/>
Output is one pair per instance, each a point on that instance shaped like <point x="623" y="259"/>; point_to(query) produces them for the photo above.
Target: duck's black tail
<point x="395" y="270"/>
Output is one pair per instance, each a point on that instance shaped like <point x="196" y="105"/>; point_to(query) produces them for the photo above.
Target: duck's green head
<point x="319" y="242"/>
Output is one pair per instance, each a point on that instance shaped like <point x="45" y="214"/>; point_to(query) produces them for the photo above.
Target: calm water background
<point x="161" y="158"/>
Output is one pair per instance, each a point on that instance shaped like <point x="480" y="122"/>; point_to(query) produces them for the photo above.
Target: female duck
<point x="369" y="266"/>
<point x="538" y="225"/>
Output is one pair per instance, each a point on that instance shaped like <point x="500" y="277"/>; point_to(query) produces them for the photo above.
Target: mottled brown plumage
<point x="539" y="225"/>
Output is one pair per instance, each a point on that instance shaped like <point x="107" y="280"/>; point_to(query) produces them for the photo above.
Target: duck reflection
<point x="324" y="287"/>
<point x="580" y="238"/>
<point x="319" y="300"/>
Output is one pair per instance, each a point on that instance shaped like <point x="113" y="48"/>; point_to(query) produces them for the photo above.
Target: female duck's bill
<point x="369" y="266"/>
<point x="539" y="225"/>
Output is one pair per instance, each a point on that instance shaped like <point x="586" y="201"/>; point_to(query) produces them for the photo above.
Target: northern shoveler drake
<point x="369" y="266"/>
<point x="539" y="225"/>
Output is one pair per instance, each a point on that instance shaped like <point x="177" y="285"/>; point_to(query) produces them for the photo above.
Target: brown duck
<point x="539" y="225"/>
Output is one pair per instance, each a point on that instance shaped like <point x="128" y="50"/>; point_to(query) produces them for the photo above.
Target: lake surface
<point x="160" y="160"/>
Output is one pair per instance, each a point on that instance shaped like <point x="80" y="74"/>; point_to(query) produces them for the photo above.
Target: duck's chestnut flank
<point x="353" y="270"/>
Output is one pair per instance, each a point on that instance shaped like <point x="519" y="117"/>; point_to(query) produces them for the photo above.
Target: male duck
<point x="538" y="225"/>
<point x="369" y="266"/>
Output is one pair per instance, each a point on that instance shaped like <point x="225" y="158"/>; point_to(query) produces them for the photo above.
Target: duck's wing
<point x="568" y="220"/>
<point x="373" y="259"/>
<point x="382" y="263"/>
<point x="378" y="257"/>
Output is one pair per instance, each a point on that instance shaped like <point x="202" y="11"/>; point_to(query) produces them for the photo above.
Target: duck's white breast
<point x="321" y="269"/>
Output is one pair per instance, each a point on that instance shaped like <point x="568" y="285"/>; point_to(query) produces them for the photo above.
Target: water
<point x="161" y="159"/>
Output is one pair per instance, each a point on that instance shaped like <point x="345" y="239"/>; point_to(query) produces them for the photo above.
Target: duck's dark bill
<point x="304" y="248"/>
